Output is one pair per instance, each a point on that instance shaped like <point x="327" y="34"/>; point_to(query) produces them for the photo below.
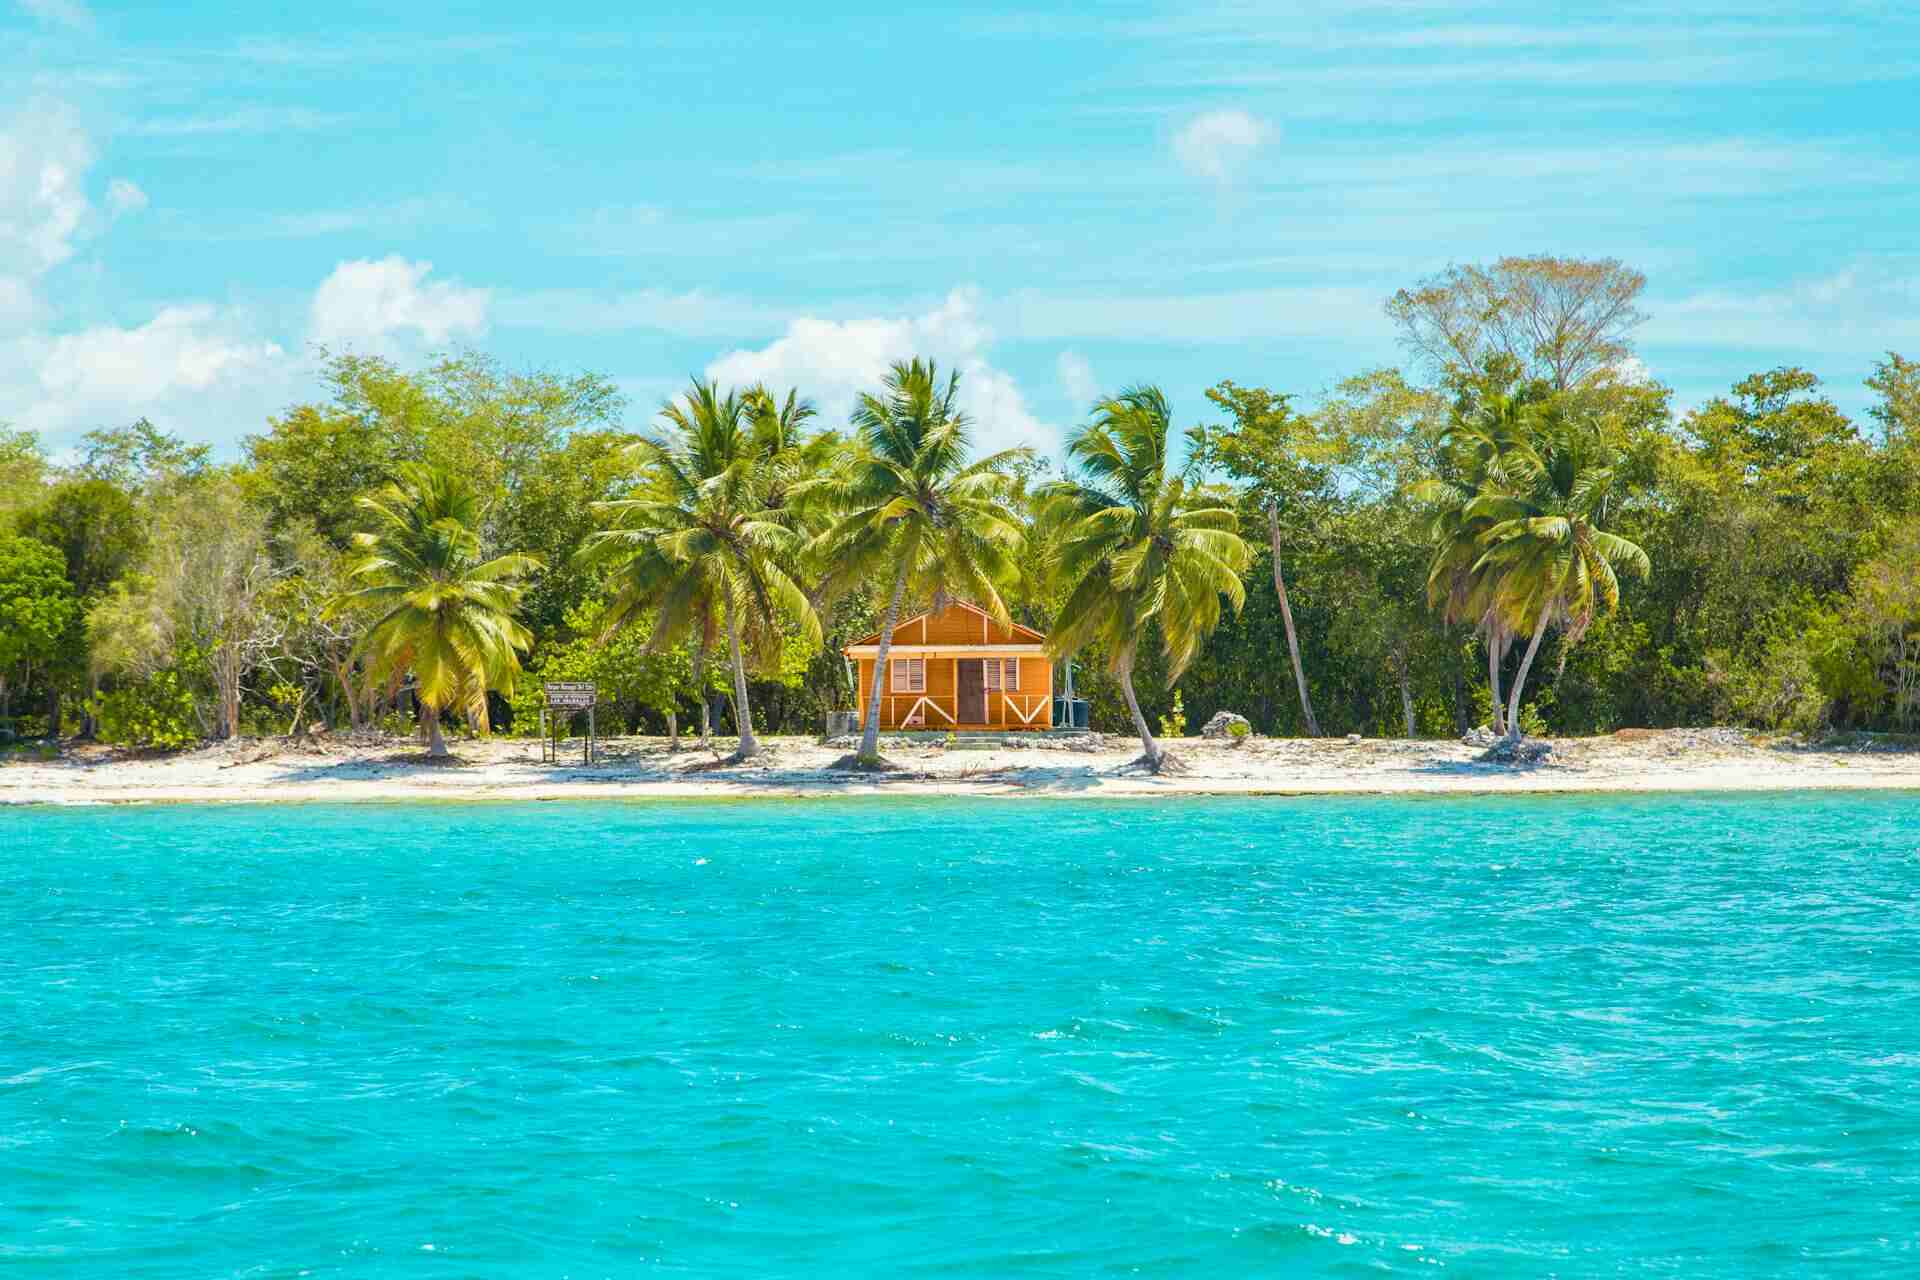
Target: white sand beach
<point x="335" y="769"/>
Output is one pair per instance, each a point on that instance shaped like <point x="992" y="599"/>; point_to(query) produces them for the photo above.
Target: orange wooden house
<point x="958" y="669"/>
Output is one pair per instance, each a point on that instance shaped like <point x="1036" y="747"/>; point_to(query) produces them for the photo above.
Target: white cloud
<point x="199" y="369"/>
<point x="182" y="348"/>
<point x="835" y="360"/>
<point x="373" y="303"/>
<point x="209" y="371"/>
<point x="17" y="304"/>
<point x="61" y="13"/>
<point x="44" y="157"/>
<point x="1218" y="144"/>
<point x="124" y="196"/>
<point x="1076" y="378"/>
<point x="213" y="372"/>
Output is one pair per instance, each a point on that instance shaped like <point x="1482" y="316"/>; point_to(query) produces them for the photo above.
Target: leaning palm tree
<point x="701" y="537"/>
<point x="1549" y="560"/>
<point x="442" y="613"/>
<point x="1138" y="546"/>
<point x="1470" y="451"/>
<point x="913" y="505"/>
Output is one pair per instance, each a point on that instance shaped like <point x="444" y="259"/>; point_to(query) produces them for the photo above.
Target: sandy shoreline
<point x="273" y="770"/>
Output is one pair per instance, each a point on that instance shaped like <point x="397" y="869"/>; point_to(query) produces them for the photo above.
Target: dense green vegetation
<point x="1516" y="529"/>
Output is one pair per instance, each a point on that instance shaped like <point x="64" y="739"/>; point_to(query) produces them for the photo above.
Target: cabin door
<point x="972" y="692"/>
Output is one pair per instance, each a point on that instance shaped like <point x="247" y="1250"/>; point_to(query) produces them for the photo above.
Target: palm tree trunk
<point x="1150" y="750"/>
<point x="742" y="713"/>
<point x="700" y="691"/>
<point x="1496" y="650"/>
<point x="673" y="731"/>
<point x="1401" y="665"/>
<point x="1520" y="676"/>
<point x="870" y="734"/>
<point x="436" y="745"/>
<point x="1286" y="616"/>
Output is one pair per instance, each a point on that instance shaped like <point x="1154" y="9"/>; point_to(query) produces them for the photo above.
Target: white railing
<point x="916" y="713"/>
<point x="1036" y="703"/>
<point x="1015" y="708"/>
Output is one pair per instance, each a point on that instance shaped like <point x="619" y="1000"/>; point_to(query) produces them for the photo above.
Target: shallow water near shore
<point x="1672" y="1035"/>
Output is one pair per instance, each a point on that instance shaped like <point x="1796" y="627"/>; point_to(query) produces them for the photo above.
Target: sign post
<point x="565" y="698"/>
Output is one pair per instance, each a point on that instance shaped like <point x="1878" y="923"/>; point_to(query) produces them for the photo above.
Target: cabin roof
<point x="1021" y="635"/>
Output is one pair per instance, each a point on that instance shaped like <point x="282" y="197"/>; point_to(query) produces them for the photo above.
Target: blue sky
<point x="1055" y="200"/>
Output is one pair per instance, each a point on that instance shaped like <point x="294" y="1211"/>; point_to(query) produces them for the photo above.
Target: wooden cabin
<point x="958" y="669"/>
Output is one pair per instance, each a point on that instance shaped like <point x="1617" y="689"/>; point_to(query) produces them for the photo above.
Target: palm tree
<point x="702" y="536"/>
<point x="1549" y="560"/>
<point x="442" y="613"/>
<point x="912" y="505"/>
<point x="1469" y="457"/>
<point x="1138" y="546"/>
<point x="779" y="428"/>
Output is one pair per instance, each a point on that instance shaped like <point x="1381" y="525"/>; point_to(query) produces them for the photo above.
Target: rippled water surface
<point x="1675" y="1036"/>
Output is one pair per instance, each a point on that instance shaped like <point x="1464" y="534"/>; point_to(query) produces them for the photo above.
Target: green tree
<point x="914" y="505"/>
<point x="1773" y="428"/>
<point x="39" y="615"/>
<point x="1897" y="379"/>
<point x="23" y="470"/>
<point x="552" y="514"/>
<point x="1885" y="607"/>
<point x="141" y="456"/>
<point x="313" y="464"/>
<point x="631" y="674"/>
<point x="464" y="412"/>
<point x="101" y="534"/>
<point x="441" y="612"/>
<point x="201" y="591"/>
<point x="1140" y="547"/>
<point x="313" y="649"/>
<point x="98" y="527"/>
<point x="1288" y="471"/>
<point x="700" y="535"/>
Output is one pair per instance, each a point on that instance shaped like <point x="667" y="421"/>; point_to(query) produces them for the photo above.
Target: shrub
<point x="1174" y="723"/>
<point x="155" y="712"/>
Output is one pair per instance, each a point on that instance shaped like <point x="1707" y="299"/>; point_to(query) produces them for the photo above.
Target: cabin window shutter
<point x="919" y="674"/>
<point x="1011" y="674"/>
<point x="909" y="675"/>
<point x="992" y="666"/>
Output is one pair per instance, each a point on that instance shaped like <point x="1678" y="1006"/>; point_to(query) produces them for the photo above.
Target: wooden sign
<point x="572" y="695"/>
<point x="564" y="699"/>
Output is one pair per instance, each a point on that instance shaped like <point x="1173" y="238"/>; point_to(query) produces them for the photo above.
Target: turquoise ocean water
<point x="1650" y="1036"/>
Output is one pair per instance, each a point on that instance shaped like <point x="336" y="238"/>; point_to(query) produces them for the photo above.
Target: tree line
<point x="1517" y="529"/>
